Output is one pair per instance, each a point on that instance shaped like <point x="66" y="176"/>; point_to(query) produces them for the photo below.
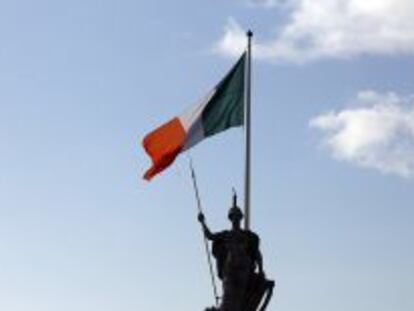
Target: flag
<point x="221" y="109"/>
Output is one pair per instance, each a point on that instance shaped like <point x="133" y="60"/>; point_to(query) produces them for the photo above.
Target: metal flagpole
<point x="247" y="127"/>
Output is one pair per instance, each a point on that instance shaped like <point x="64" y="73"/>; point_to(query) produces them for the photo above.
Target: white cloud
<point x="331" y="29"/>
<point x="377" y="133"/>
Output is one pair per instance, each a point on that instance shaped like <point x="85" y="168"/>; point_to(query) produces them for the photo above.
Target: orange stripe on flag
<point x="163" y="145"/>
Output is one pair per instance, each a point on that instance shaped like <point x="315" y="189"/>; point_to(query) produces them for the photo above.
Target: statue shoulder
<point x="252" y="235"/>
<point x="223" y="234"/>
<point x="253" y="238"/>
<point x="219" y="243"/>
<point x="220" y="237"/>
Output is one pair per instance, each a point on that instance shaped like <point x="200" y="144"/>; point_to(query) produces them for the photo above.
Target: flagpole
<point x="247" y="129"/>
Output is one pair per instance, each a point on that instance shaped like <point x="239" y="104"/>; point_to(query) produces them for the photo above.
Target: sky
<point x="82" y="82"/>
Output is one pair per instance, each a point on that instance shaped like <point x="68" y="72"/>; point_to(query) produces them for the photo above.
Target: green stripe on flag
<point x="225" y="109"/>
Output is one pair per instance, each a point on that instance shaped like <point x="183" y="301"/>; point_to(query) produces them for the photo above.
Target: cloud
<point x="318" y="29"/>
<point x="377" y="132"/>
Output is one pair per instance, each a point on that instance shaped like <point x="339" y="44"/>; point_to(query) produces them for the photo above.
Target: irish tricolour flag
<point x="220" y="109"/>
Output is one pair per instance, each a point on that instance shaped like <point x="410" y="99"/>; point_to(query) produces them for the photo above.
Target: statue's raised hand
<point x="201" y="218"/>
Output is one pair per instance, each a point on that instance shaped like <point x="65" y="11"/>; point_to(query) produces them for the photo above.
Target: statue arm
<point x="208" y="234"/>
<point x="260" y="262"/>
<point x="258" y="255"/>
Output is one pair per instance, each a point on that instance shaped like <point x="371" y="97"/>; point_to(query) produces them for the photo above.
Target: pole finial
<point x="249" y="33"/>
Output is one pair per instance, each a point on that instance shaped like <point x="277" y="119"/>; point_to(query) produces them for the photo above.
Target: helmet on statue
<point x="235" y="212"/>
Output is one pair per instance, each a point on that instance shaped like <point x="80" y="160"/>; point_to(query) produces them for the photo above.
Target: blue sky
<point x="333" y="134"/>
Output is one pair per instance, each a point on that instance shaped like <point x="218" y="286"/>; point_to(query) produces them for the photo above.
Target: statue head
<point x="235" y="214"/>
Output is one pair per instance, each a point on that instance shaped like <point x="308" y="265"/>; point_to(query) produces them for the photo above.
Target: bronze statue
<point x="239" y="265"/>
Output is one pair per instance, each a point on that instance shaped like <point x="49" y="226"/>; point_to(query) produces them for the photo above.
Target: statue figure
<point x="239" y="265"/>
